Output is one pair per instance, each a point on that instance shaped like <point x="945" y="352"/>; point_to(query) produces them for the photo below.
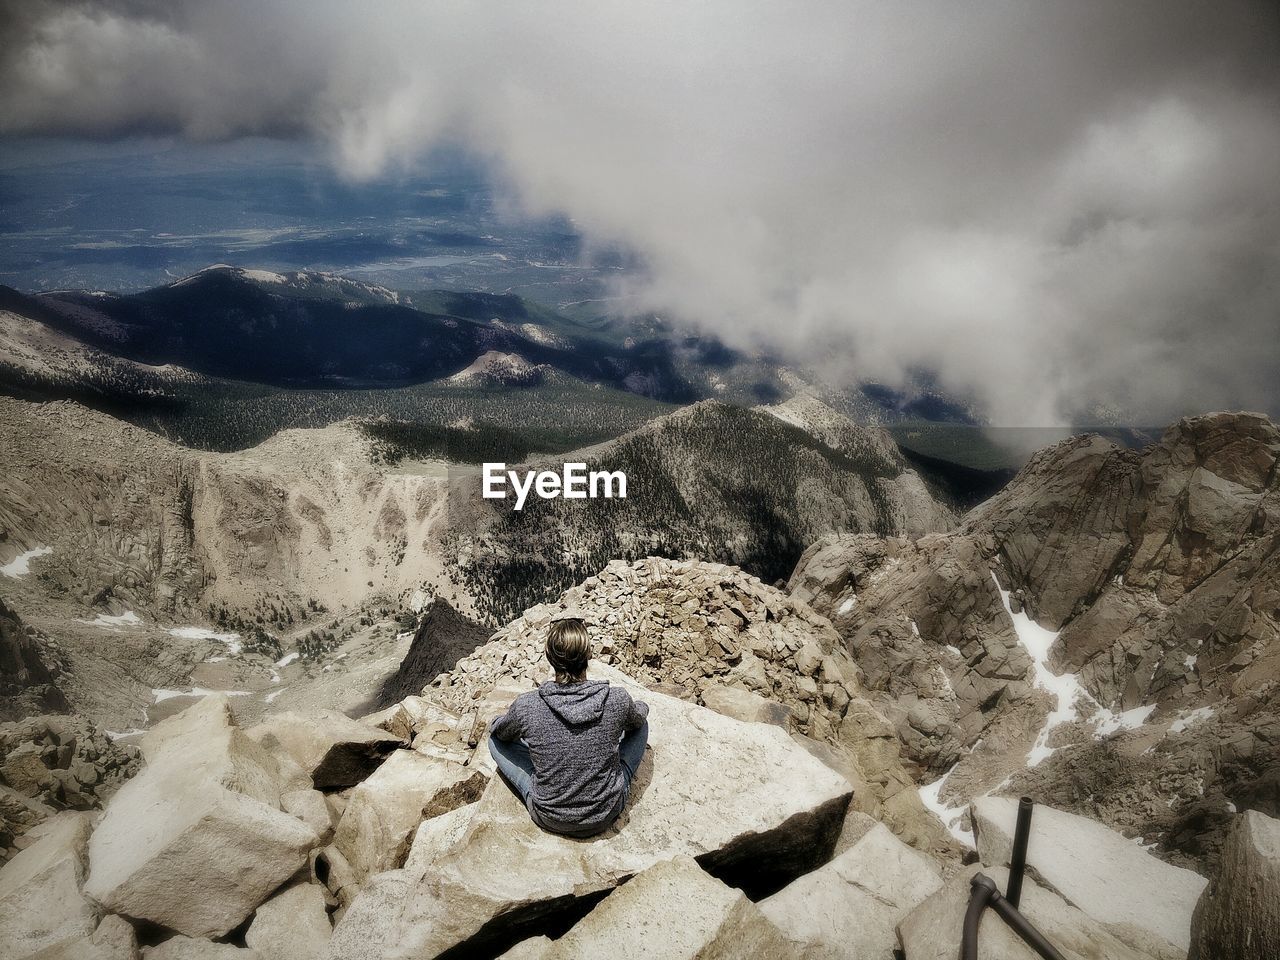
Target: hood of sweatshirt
<point x="576" y="703"/>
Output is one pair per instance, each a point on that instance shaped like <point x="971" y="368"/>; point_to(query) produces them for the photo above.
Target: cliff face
<point x="29" y="670"/>
<point x="1104" y="632"/>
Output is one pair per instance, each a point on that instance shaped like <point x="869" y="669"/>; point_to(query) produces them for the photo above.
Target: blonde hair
<point x="569" y="649"/>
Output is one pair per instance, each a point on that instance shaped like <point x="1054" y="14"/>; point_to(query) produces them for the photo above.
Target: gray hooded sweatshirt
<point x="573" y="730"/>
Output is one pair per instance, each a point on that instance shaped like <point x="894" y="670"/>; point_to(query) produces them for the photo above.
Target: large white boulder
<point x="932" y="931"/>
<point x="750" y="805"/>
<point x="1238" y="915"/>
<point x="195" y="841"/>
<point x="292" y="925"/>
<point x="671" y="911"/>
<point x="849" y="908"/>
<point x="41" y="903"/>
<point x="1144" y="901"/>
<point x="334" y="750"/>
<point x="383" y="812"/>
<point x="194" y="857"/>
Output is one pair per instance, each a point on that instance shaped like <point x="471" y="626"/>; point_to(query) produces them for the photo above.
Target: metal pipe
<point x="1018" y="860"/>
<point x="1020" y="925"/>
<point x="984" y="888"/>
<point x="985" y="894"/>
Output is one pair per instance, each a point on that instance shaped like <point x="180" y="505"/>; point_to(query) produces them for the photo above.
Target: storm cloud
<point x="1064" y="210"/>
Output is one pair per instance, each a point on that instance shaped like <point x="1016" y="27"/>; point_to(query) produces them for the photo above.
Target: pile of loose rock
<point x="55" y="763"/>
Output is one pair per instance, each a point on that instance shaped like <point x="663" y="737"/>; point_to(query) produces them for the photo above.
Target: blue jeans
<point x="516" y="766"/>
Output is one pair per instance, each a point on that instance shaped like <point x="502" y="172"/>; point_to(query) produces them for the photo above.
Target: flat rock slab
<point x="849" y="908"/>
<point x="333" y="749"/>
<point x="1144" y="901"/>
<point x="671" y="911"/>
<point x="41" y="904"/>
<point x="1238" y="915"/>
<point x="747" y="803"/>
<point x="932" y="931"/>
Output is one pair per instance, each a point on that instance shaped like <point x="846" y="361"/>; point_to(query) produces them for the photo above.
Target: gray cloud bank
<point x="1062" y="208"/>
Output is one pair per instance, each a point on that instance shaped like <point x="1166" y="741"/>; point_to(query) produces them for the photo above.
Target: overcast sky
<point x="1054" y="205"/>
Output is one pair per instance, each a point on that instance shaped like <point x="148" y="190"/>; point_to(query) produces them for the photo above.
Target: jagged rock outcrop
<point x="1238" y="914"/>
<point x="443" y="637"/>
<point x="30" y="666"/>
<point x="485" y="875"/>
<point x="672" y="910"/>
<point x="851" y="906"/>
<point x="55" y="763"/>
<point x="692" y="627"/>
<point x="1138" y="898"/>
<point x="1101" y="635"/>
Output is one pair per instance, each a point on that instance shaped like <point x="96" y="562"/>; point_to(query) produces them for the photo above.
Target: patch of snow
<point x="931" y="797"/>
<point x="270" y="697"/>
<point x="1110" y="723"/>
<point x="122" y="734"/>
<point x="1037" y="641"/>
<point x="126" y="619"/>
<point x="287" y="659"/>
<point x="161" y="695"/>
<point x="20" y="565"/>
<point x="1066" y="687"/>
<point x="954" y="649"/>
<point x="848" y="605"/>
<point x="418" y="599"/>
<point x="1231" y="807"/>
<point x="1190" y="662"/>
<point x="1195" y="716"/>
<point x="232" y="640"/>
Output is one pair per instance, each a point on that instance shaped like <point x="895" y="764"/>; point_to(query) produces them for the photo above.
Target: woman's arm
<point x="508" y="726"/>
<point x="637" y="713"/>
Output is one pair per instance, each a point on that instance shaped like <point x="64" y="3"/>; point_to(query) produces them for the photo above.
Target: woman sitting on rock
<point x="558" y="746"/>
